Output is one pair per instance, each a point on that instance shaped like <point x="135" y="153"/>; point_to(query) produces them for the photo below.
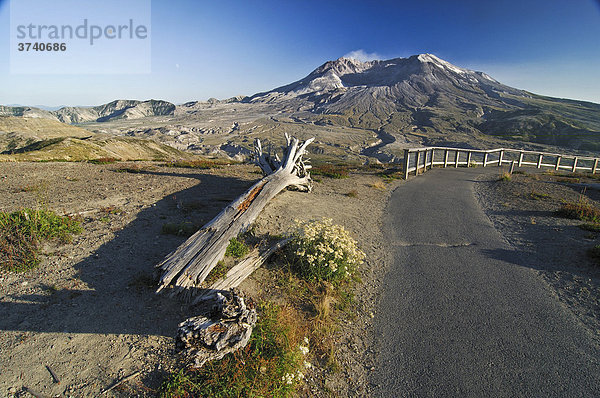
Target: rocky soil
<point x="524" y="209"/>
<point x="89" y="313"/>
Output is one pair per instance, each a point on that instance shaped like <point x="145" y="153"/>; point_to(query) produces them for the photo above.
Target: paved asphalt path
<point x="462" y="314"/>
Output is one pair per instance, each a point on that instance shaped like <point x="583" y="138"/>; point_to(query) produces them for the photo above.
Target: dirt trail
<point x="89" y="312"/>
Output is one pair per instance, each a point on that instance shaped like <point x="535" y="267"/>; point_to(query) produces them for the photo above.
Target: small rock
<point x="25" y="283"/>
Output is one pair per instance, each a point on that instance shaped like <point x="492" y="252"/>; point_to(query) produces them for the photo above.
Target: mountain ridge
<point x="418" y="100"/>
<point x="426" y="97"/>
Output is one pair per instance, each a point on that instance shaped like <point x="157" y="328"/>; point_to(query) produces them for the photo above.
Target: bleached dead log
<point x="242" y="270"/>
<point x="190" y="263"/>
<point x="227" y="329"/>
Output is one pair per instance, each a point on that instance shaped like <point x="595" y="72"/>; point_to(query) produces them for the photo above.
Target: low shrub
<point x="330" y="170"/>
<point x="21" y="233"/>
<point x="320" y="250"/>
<point x="105" y="160"/>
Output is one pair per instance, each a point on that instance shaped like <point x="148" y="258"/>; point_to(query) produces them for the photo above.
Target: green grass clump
<point x="269" y="366"/>
<point x="179" y="229"/>
<point x="21" y="233"/>
<point x="580" y="211"/>
<point x="237" y="248"/>
<point x="391" y="174"/>
<point x="330" y="170"/>
<point x="505" y="176"/>
<point x="538" y="195"/>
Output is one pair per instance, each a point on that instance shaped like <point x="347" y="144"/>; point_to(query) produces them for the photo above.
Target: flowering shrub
<point x="323" y="251"/>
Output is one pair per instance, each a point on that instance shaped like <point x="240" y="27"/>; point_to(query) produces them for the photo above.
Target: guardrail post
<point x="425" y="160"/>
<point x="500" y="158"/>
<point x="521" y="158"/>
<point x="595" y="166"/>
<point x="485" y="157"/>
<point x="445" y="158"/>
<point x="431" y="160"/>
<point x="469" y="156"/>
<point x="539" y="163"/>
<point x="557" y="162"/>
<point x="574" y="164"/>
<point x="456" y="156"/>
<point x="417" y="163"/>
<point x="512" y="167"/>
<point x="406" y="163"/>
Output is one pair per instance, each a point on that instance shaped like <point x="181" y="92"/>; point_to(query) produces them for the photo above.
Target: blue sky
<point x="203" y="49"/>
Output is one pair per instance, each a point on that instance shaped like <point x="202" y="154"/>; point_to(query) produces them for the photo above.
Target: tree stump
<point x="226" y="329"/>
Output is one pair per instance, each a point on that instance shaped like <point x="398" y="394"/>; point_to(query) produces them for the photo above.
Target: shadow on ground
<point x="115" y="294"/>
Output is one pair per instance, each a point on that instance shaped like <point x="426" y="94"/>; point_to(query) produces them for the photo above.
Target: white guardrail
<point x="419" y="160"/>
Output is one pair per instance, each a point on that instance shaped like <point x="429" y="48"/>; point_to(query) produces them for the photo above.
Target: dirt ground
<point x="524" y="211"/>
<point x="89" y="312"/>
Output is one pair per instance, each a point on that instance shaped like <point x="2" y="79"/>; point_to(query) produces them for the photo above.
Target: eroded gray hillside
<point x="119" y="109"/>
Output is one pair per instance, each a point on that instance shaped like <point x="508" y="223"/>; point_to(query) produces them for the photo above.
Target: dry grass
<point x="378" y="185"/>
<point x="582" y="210"/>
<point x="267" y="367"/>
<point x="200" y="163"/>
<point x="21" y="233"/>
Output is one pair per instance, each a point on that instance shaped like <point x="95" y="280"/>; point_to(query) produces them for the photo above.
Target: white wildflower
<point x="303" y="349"/>
<point x="288" y="378"/>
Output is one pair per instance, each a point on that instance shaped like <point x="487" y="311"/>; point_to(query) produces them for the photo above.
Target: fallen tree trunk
<point x="189" y="265"/>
